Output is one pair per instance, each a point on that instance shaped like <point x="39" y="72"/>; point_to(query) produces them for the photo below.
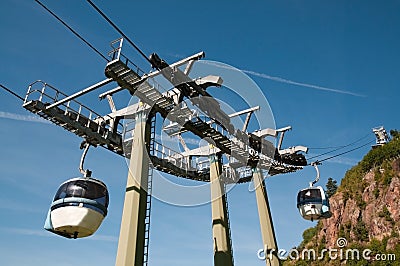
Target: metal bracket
<point x="86" y="173"/>
<point x="293" y="150"/>
<point x="315" y="164"/>
<point x="282" y="131"/>
<point x="80" y="93"/>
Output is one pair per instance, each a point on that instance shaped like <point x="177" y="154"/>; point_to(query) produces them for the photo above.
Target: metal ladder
<point x="228" y="223"/>
<point x="149" y="192"/>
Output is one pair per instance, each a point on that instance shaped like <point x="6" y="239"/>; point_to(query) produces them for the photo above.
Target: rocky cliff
<point x="365" y="210"/>
<point x="375" y="216"/>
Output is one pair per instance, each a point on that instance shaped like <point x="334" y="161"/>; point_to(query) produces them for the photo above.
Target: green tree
<point x="331" y="187"/>
<point x="361" y="231"/>
<point x="308" y="235"/>
<point x="394" y="133"/>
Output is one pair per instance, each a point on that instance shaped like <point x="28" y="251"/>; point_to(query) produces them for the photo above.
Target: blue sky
<point x="344" y="53"/>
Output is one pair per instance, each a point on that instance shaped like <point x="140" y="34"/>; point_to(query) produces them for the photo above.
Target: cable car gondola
<point x="313" y="202"/>
<point x="79" y="206"/>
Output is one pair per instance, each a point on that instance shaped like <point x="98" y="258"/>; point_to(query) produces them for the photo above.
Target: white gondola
<point x="313" y="202"/>
<point x="78" y="208"/>
<point x="79" y="205"/>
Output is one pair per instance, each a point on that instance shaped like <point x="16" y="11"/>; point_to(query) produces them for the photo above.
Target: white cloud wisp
<point x="288" y="81"/>
<point x="27" y="118"/>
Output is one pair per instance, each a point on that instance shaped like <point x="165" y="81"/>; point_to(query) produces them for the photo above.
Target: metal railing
<point x="48" y="94"/>
<point x="169" y="93"/>
<point x="116" y="54"/>
<point x="174" y="157"/>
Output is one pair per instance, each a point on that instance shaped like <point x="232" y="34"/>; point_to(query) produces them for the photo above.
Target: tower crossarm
<point x="245" y="147"/>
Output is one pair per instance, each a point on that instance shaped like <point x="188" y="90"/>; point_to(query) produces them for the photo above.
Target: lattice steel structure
<point x="250" y="154"/>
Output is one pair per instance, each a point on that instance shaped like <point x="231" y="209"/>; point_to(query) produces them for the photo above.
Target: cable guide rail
<point x="200" y="115"/>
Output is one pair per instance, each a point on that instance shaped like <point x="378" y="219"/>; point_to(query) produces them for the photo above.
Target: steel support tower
<point x="266" y="224"/>
<point x="131" y="242"/>
<point x="220" y="225"/>
<point x="250" y="155"/>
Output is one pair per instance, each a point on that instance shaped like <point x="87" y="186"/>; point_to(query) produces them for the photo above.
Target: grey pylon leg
<point x="267" y="227"/>
<point x="220" y="225"/>
<point x="132" y="233"/>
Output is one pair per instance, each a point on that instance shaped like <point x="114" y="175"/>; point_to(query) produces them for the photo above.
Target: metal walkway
<point x="72" y="116"/>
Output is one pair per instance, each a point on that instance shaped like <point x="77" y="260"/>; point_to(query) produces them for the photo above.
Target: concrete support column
<point x="132" y="233"/>
<point x="220" y="226"/>
<point x="267" y="227"/>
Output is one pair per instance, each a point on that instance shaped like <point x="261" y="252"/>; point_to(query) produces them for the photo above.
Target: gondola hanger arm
<point x="315" y="164"/>
<point x="86" y="173"/>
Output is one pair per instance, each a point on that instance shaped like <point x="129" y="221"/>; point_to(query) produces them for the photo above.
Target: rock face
<point x="374" y="215"/>
<point x="365" y="211"/>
